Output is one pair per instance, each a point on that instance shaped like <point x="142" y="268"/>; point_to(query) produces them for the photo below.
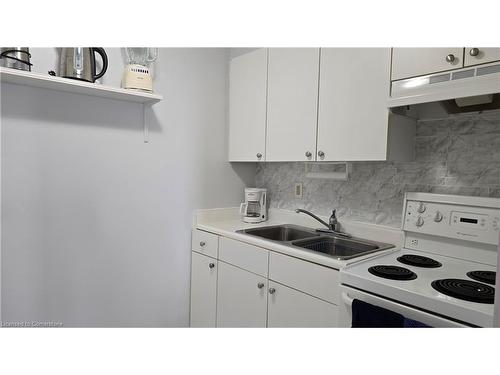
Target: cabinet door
<point x="412" y="62"/>
<point x="241" y="298"/>
<point x="247" y="106"/>
<point x="292" y="104"/>
<point x="353" y="115"/>
<point x="203" y="290"/>
<point x="291" y="308"/>
<point x="479" y="55"/>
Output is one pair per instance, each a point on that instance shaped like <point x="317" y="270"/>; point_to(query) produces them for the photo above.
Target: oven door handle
<point x="347" y="300"/>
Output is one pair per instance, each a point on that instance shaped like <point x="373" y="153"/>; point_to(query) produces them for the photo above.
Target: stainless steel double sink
<point x="310" y="240"/>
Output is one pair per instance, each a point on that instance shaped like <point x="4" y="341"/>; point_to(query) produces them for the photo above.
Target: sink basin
<point x="308" y="239"/>
<point x="340" y="248"/>
<point x="281" y="233"/>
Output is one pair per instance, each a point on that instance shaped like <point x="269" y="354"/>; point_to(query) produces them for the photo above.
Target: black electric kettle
<point x="79" y="63"/>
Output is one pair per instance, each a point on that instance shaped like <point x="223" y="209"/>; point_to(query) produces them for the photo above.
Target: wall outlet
<point x="414" y="242"/>
<point x="298" y="190"/>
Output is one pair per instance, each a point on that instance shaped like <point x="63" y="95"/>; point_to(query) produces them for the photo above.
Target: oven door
<point x="349" y="294"/>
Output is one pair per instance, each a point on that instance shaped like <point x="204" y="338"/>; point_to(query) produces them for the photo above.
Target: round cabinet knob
<point x="272" y="290"/>
<point x="421" y="207"/>
<point x="420" y="221"/>
<point x="450" y="58"/>
<point x="259" y="155"/>
<point x="438" y="217"/>
<point x="474" y="51"/>
<point x="211" y="265"/>
<point x="321" y="154"/>
<point x="260" y="285"/>
<point x="202" y="243"/>
<point x="308" y="154"/>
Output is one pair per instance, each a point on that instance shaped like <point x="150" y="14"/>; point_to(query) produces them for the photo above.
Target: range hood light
<point x="415" y="82"/>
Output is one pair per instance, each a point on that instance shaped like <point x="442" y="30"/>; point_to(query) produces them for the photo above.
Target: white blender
<point x="137" y="73"/>
<point x="254" y="209"/>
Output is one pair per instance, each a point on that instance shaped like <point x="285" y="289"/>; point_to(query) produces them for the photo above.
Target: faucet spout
<point x="300" y="210"/>
<point x="332" y="225"/>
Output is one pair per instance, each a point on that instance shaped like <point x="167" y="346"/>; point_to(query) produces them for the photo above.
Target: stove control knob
<point x="421" y="207"/>
<point x="438" y="217"/>
<point x="420" y="221"/>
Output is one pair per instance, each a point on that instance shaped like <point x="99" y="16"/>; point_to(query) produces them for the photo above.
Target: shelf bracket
<point x="145" y="124"/>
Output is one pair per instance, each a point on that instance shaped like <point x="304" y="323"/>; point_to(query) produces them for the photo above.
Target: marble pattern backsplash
<point x="456" y="155"/>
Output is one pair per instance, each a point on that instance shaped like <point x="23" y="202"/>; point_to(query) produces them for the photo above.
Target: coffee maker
<point x="254" y="209"/>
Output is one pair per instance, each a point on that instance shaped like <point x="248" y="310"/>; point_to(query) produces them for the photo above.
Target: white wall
<point x="96" y="223"/>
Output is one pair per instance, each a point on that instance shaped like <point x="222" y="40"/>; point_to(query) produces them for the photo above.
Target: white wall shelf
<point x="21" y="77"/>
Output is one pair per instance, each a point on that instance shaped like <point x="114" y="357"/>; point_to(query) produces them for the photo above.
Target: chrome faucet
<point x="332" y="225"/>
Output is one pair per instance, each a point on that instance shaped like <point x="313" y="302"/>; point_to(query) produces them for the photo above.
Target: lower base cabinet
<point x="288" y="307"/>
<point x="241" y="297"/>
<point x="203" y="290"/>
<point x="243" y="285"/>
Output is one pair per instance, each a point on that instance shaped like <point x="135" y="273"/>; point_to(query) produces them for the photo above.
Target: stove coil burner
<point x="419" y="261"/>
<point x="465" y="290"/>
<point x="392" y="272"/>
<point x="487" y="277"/>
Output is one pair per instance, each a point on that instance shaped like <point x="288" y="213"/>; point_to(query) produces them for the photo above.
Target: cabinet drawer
<point x="248" y="257"/>
<point x="319" y="281"/>
<point x="205" y="243"/>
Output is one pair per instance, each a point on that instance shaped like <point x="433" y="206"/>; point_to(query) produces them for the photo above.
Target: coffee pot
<point x="15" y="58"/>
<point x="80" y="63"/>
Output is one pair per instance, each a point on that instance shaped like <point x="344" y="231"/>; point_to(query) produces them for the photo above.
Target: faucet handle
<point x="333" y="224"/>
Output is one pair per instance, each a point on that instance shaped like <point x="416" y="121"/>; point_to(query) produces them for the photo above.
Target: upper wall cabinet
<point x="353" y="116"/>
<point x="478" y="55"/>
<point x="413" y="62"/>
<point x="292" y="104"/>
<point x="336" y="113"/>
<point x="247" y="106"/>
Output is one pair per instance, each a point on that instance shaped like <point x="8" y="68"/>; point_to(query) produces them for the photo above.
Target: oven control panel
<point x="473" y="223"/>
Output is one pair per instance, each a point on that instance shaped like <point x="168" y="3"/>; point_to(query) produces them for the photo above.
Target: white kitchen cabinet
<point x="292" y="104"/>
<point x="353" y="120"/>
<point x="479" y="55"/>
<point x="205" y="243"/>
<point x="249" y="286"/>
<point x="243" y="255"/>
<point x="291" y="308"/>
<point x="241" y="297"/>
<point x="247" y="106"/>
<point x="203" y="290"/>
<point x="413" y="62"/>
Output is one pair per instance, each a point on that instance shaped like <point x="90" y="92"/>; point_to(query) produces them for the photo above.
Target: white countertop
<point x="226" y="221"/>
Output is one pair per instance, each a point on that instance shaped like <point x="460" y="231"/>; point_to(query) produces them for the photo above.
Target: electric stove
<point x="444" y="273"/>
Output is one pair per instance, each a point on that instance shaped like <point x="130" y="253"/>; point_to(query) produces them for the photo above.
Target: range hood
<point x="468" y="89"/>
